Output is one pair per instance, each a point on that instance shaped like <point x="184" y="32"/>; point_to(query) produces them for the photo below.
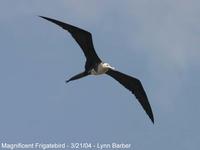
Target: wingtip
<point x="42" y="17"/>
<point x="67" y="81"/>
<point x="152" y="121"/>
<point x="150" y="114"/>
<point x="151" y="118"/>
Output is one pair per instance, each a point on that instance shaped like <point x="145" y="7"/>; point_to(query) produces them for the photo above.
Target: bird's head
<point x="106" y="65"/>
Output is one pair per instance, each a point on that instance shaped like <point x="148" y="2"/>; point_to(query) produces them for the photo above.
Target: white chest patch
<point x="101" y="69"/>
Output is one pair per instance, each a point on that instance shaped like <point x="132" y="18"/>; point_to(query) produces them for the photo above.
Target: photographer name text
<point x="78" y="145"/>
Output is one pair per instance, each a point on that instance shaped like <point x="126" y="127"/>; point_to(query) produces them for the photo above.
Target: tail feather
<point x="78" y="76"/>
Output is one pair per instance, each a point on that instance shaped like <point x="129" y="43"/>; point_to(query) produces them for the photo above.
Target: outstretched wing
<point x="135" y="86"/>
<point x="83" y="38"/>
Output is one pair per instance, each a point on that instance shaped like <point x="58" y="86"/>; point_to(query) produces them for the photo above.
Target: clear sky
<point x="156" y="41"/>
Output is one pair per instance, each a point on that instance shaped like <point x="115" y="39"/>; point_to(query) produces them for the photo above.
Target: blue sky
<point x="156" y="41"/>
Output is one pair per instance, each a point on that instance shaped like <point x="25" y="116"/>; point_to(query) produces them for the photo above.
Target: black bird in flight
<point x="94" y="65"/>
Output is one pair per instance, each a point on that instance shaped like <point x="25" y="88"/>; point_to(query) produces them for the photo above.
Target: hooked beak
<point x="113" y="68"/>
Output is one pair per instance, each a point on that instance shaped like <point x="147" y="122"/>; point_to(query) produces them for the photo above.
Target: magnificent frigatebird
<point x="94" y="65"/>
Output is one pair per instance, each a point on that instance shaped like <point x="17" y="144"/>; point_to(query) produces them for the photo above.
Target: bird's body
<point x="101" y="68"/>
<point x="95" y="66"/>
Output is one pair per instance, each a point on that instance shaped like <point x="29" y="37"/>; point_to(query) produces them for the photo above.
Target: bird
<point x="95" y="66"/>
